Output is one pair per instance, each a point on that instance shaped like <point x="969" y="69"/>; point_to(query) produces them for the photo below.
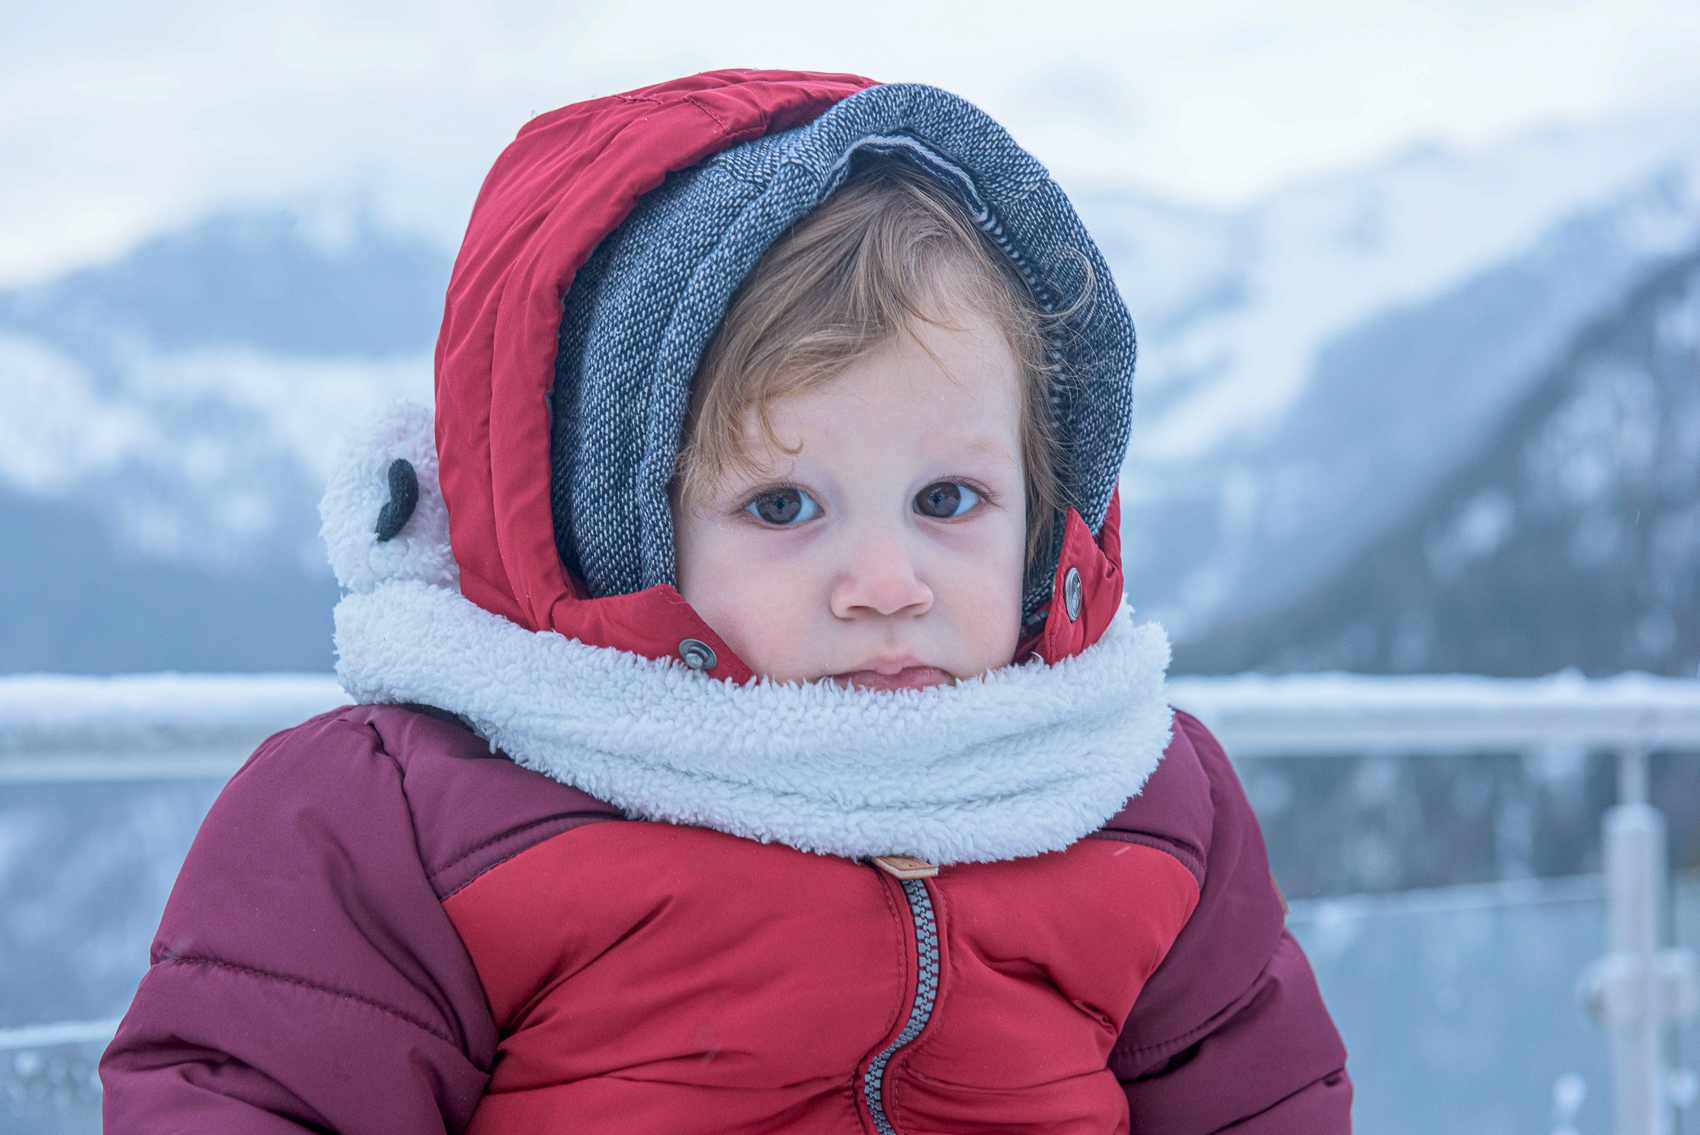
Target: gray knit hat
<point x="639" y="314"/>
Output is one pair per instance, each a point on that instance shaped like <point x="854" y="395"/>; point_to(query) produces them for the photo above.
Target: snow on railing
<point x="156" y="711"/>
<point x="1320" y="714"/>
<point x="65" y="727"/>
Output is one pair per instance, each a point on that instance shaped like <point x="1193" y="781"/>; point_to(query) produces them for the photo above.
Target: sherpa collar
<point x="1027" y="759"/>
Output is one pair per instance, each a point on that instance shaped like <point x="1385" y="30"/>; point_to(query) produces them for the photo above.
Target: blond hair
<point x="891" y="247"/>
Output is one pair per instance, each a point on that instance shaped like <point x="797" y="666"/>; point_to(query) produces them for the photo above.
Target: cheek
<point x="755" y="600"/>
<point x="977" y="577"/>
<point x="995" y="545"/>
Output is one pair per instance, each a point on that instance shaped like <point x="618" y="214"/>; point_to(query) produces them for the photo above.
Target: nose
<point x="880" y="579"/>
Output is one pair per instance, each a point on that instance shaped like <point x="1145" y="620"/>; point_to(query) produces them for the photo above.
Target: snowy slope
<point x="166" y="425"/>
<point x="1571" y="539"/>
<point x="196" y="386"/>
<point x="1311" y="364"/>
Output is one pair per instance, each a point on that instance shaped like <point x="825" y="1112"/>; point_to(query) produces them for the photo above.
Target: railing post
<point x="1640" y="990"/>
<point x="1635" y="891"/>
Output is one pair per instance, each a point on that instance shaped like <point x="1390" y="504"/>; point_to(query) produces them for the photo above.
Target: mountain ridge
<point x="1570" y="539"/>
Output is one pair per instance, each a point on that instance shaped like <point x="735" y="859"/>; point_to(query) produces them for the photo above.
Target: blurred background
<point x="1418" y="291"/>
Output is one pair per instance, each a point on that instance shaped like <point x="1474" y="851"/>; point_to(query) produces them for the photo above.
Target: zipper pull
<point x="905" y="867"/>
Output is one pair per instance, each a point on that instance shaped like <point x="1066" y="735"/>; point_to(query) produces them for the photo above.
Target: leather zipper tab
<point x="905" y="867"/>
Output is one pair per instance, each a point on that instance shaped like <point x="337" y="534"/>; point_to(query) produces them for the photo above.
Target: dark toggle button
<point x="1071" y="593"/>
<point x="404" y="498"/>
<point x="698" y="655"/>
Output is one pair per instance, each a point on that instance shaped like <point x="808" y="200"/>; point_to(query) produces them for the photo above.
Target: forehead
<point x="954" y="382"/>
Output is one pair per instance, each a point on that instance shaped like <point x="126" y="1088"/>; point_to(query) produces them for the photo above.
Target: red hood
<point x="565" y="183"/>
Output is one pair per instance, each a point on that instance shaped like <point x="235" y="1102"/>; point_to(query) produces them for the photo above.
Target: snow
<point x="57" y="429"/>
<point x="155" y="711"/>
<point x="1269" y="715"/>
<point x="1326" y="693"/>
<point x="211" y="445"/>
<point x="1254" y="714"/>
<point x="1480" y="527"/>
<point x="1315" y="260"/>
<point x="59" y="1033"/>
<point x="1310" y="365"/>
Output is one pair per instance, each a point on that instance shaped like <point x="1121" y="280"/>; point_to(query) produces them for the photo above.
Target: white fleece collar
<point x="1026" y="760"/>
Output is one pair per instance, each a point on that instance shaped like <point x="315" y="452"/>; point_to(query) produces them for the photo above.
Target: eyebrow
<point x="991" y="448"/>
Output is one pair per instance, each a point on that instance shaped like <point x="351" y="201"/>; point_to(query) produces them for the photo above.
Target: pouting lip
<point x="915" y="677"/>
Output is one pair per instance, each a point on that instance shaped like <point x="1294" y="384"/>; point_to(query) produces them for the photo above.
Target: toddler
<point x="751" y="737"/>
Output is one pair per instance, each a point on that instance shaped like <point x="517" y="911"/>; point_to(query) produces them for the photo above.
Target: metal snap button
<point x="1071" y="593"/>
<point x="697" y="655"/>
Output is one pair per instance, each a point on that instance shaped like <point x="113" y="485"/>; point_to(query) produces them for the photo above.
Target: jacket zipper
<point x="926" y="991"/>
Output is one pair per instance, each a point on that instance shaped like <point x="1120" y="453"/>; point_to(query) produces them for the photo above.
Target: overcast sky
<point x="120" y="120"/>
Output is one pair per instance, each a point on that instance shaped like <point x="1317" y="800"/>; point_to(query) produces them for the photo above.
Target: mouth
<point x="907" y="678"/>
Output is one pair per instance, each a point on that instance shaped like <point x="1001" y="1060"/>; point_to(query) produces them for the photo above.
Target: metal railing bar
<point x="1348" y="714"/>
<point x="1455" y="898"/>
<point x="78" y="770"/>
<point x="57" y="1034"/>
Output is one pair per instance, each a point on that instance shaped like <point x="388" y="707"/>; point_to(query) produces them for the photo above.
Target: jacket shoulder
<point x="471" y="806"/>
<point x="1194" y="807"/>
<point x="1176" y="810"/>
<point x="303" y="901"/>
<point x="313" y="893"/>
<point x="1232" y="1014"/>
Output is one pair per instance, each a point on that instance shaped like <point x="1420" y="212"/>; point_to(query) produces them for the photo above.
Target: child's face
<point x="887" y="552"/>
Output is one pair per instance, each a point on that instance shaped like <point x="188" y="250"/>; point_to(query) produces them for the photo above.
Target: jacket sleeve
<point x="305" y="976"/>
<point x="1230" y="1033"/>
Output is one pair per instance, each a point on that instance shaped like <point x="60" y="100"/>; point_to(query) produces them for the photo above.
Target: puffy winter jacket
<point x="562" y="880"/>
<point x="383" y="927"/>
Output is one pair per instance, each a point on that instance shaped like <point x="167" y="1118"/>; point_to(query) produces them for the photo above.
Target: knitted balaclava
<point x="640" y="313"/>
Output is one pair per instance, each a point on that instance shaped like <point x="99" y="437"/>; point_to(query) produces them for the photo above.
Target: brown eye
<point x="783" y="506"/>
<point x="942" y="500"/>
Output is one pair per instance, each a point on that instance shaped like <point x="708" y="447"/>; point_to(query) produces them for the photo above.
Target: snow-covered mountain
<point x="1572" y="538"/>
<point x="166" y="425"/>
<point x="1309" y="367"/>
